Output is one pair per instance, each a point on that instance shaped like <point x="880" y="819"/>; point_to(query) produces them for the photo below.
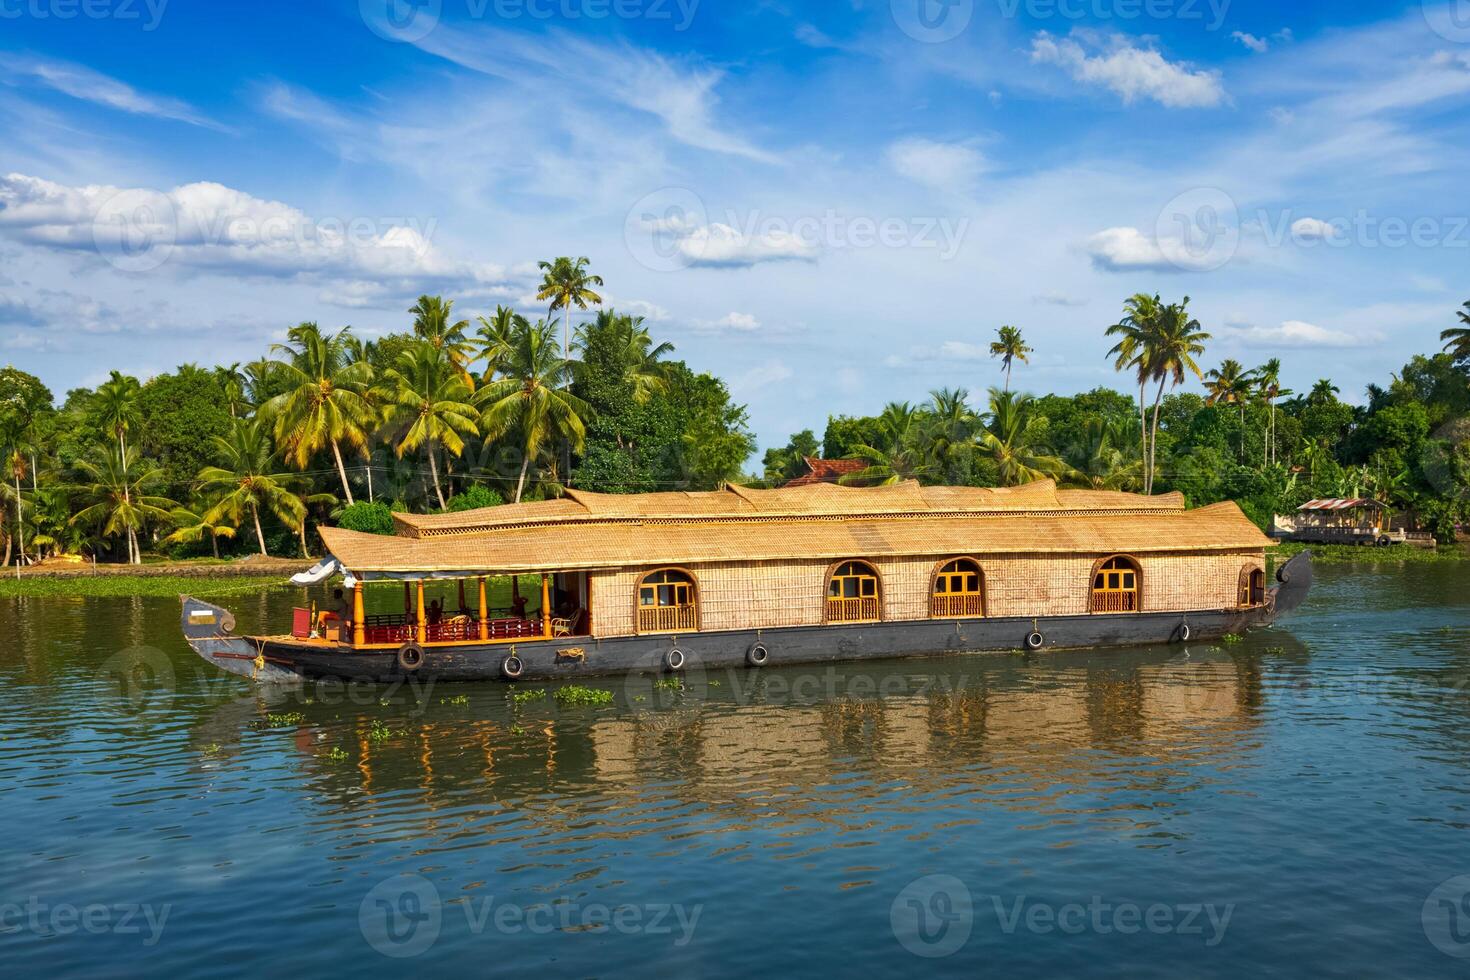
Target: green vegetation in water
<point x="578" y="696"/>
<point x="1230" y="638"/>
<point x="668" y="684"/>
<point x="1329" y="554"/>
<point x="288" y="718"/>
<point x="153" y="586"/>
<point x="381" y="732"/>
<point x="459" y="699"/>
<point x="213" y="748"/>
<point x="524" y="697"/>
<point x="517" y="730"/>
<point x="336" y="754"/>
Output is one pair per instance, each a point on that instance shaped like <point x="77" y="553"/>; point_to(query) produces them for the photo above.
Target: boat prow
<point x="1295" y="578"/>
<point x="208" y="629"/>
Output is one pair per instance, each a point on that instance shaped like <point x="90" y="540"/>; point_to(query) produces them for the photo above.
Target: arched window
<point x="1252" y="588"/>
<point x="959" y="590"/>
<point x="853" y="594"/>
<point x="1115" y="585"/>
<point x="668" y="602"/>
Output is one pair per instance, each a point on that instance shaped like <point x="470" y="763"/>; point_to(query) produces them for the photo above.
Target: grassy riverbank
<point x="1330" y="554"/>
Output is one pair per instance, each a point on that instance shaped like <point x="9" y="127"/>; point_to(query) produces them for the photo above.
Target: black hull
<point x="207" y="629"/>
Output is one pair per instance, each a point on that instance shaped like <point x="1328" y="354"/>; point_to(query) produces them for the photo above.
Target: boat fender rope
<point x="757" y="655"/>
<point x="1184" y="632"/>
<point x="512" y="667"/>
<point x="674" y="659"/>
<point x="1034" y="640"/>
<point x="410" y="656"/>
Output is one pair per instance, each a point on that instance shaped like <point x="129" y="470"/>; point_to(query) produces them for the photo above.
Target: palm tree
<point x="1107" y="455"/>
<point x="631" y="347"/>
<point x="248" y="480"/>
<point x="191" y="526"/>
<point x="16" y="464"/>
<point x="1139" y="323"/>
<point x="1268" y="377"/>
<point x="1457" y="339"/>
<point x="433" y="321"/>
<point x="326" y="403"/>
<point x="1170" y="352"/>
<point x="1008" y="438"/>
<point x="532" y="397"/>
<point x="429" y="401"/>
<point x="951" y="430"/>
<point x="115" y="405"/>
<point x="497" y="338"/>
<point x="567" y="283"/>
<point x="1232" y="384"/>
<point x="1010" y="347"/>
<point x="1323" y="391"/>
<point x="121" y="502"/>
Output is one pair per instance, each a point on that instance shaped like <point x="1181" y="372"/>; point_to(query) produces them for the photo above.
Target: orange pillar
<point x="421" y="629"/>
<point x="484" y="612"/>
<point x="546" y="605"/>
<point x="359" y="624"/>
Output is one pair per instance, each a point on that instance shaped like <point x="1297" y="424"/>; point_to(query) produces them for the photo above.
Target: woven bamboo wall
<point x="791" y="593"/>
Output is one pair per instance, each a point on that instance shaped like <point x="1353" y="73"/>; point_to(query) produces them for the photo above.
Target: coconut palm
<point x="1010" y="346"/>
<point x="950" y="431"/>
<point x="15" y="465"/>
<point x="1231" y="384"/>
<point x="115" y="406"/>
<point x="532" y="398"/>
<point x="119" y="487"/>
<point x="1106" y="455"/>
<point x="631" y="347"/>
<point x="1268" y="377"/>
<point x="248" y="480"/>
<point x="191" y="526"/>
<point x="497" y="338"/>
<point x="1457" y="339"/>
<point x="326" y="403"/>
<point x="1139" y="323"/>
<point x="1170" y="353"/>
<point x="567" y="283"/>
<point x="428" y="402"/>
<point x="433" y="321"/>
<point x="1009" y="439"/>
<point x="1322" y="392"/>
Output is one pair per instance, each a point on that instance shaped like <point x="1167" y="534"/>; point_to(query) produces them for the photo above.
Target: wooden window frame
<point x="1245" y="587"/>
<point x="877" y="597"/>
<point x="935" y="598"/>
<point x="1100" y="567"/>
<point x="682" y="622"/>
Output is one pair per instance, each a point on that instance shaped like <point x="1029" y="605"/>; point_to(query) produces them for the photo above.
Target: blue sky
<point x="831" y="205"/>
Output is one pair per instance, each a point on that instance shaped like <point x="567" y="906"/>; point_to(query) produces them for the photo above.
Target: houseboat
<point x="669" y="581"/>
<point x="1355" y="520"/>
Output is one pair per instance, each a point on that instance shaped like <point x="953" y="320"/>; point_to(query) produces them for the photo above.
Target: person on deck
<point x="436" y="613"/>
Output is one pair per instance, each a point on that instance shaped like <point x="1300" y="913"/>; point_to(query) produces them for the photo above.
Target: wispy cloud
<point x="80" y="82"/>
<point x="950" y="167"/>
<point x="1129" y="71"/>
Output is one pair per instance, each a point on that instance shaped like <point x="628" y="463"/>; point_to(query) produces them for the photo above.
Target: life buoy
<point x="757" y="655"/>
<point x="674" y="659"/>
<point x="410" y="656"/>
<point x="1034" y="640"/>
<point x="512" y="667"/>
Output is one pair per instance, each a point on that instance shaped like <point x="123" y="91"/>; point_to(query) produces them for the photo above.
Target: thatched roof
<point x="587" y="530"/>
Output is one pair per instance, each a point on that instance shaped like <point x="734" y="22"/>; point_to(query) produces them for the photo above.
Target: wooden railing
<point x="668" y="619"/>
<point x="860" y="610"/>
<point x="1115" y="602"/>
<point x="949" y="606"/>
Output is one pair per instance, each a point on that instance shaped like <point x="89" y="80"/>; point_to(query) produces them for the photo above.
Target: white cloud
<point x="1314" y="229"/>
<point x="1300" y="334"/>
<point x="734" y="322"/>
<point x="1131" y="72"/>
<point x="682" y="97"/>
<point x="1257" y="44"/>
<point x="213" y="228"/>
<point x="83" y="83"/>
<point x="762" y="376"/>
<point x="950" y="167"/>
<point x="1126" y="249"/>
<point x="720" y="246"/>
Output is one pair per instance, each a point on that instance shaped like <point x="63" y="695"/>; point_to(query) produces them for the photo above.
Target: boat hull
<point x="207" y="629"/>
